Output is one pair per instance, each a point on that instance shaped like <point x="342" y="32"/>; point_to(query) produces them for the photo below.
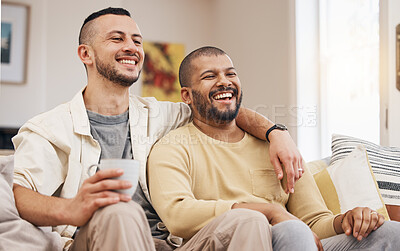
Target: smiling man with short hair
<point x="214" y="185"/>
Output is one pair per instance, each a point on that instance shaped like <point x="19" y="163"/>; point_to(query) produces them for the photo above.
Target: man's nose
<point x="223" y="81"/>
<point x="130" y="46"/>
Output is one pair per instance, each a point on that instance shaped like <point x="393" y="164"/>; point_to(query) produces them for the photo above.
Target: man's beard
<point x="109" y="72"/>
<point x="208" y="111"/>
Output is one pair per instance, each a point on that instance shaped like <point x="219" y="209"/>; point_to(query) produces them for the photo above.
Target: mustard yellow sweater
<point x="194" y="178"/>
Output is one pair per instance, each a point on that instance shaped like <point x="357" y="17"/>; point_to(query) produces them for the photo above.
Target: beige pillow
<point x="316" y="166"/>
<point x="348" y="183"/>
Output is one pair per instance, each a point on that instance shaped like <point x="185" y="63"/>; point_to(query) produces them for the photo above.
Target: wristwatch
<point x="276" y="126"/>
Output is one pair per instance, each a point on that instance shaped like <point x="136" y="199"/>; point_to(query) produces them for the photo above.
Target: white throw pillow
<point x="385" y="164"/>
<point x="350" y="183"/>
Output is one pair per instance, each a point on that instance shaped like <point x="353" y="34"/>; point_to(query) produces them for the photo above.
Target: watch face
<point x="281" y="127"/>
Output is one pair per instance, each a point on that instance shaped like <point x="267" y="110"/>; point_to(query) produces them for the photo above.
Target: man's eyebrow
<point x="212" y="71"/>
<point x="137" y="35"/>
<point x="123" y="33"/>
<point x="205" y="72"/>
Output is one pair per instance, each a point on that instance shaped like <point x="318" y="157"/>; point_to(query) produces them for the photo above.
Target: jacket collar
<point x="79" y="115"/>
<point x="80" y="118"/>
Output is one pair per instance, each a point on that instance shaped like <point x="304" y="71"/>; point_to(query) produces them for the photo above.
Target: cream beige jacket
<point x="54" y="150"/>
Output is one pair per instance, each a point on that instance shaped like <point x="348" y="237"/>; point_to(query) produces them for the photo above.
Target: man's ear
<point x="186" y="95"/>
<point x="85" y="54"/>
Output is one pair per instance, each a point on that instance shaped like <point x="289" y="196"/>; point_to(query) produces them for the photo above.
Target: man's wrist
<point x="62" y="212"/>
<point x="280" y="127"/>
<point x="337" y="223"/>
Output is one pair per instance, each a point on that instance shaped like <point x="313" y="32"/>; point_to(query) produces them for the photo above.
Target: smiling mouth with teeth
<point x="126" y="61"/>
<point x="224" y="96"/>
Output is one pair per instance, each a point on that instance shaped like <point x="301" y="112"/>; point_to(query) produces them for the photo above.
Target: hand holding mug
<point x="115" y="181"/>
<point x="130" y="169"/>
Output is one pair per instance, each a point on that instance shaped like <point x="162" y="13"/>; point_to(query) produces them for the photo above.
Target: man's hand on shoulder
<point x="95" y="193"/>
<point x="282" y="148"/>
<point x="359" y="222"/>
<point x="283" y="151"/>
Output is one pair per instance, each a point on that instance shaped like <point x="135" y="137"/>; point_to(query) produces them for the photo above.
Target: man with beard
<point x="214" y="185"/>
<point x="55" y="149"/>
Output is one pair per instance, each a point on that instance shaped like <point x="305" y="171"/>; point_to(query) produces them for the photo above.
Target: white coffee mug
<point x="131" y="171"/>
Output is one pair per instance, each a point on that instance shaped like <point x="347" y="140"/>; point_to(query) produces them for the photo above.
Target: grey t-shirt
<point x="113" y="135"/>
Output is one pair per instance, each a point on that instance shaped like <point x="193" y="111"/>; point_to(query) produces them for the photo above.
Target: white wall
<point x="177" y="21"/>
<point x="19" y="102"/>
<point x="65" y="73"/>
<point x="259" y="36"/>
<point x="390" y="96"/>
<point x="55" y="73"/>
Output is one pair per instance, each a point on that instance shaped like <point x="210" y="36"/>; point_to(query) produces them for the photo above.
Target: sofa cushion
<point x="348" y="183"/>
<point x="16" y="233"/>
<point x="385" y="163"/>
<point x="6" y="169"/>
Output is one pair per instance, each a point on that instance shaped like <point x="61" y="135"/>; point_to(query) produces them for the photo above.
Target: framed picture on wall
<point x="161" y="70"/>
<point x="14" y="42"/>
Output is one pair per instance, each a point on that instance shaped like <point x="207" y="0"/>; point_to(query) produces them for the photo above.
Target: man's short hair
<point x="87" y="31"/>
<point x="185" y="69"/>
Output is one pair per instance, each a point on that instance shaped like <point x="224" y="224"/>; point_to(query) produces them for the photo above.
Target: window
<point x="347" y="72"/>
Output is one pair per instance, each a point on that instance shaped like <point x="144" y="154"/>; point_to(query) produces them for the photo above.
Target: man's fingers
<point x="356" y="228"/>
<point x="277" y="167"/>
<point x="300" y="167"/>
<point x="290" y="175"/>
<point x="92" y="204"/>
<point x="101" y="199"/>
<point x="365" y="227"/>
<point x="284" y="151"/>
<point x="106" y="198"/>
<point x="381" y="220"/>
<point x="319" y="245"/>
<point x="357" y="217"/>
<point x="109" y="194"/>
<point x="109" y="184"/>
<point x="361" y="221"/>
<point x="374" y="219"/>
<point x="105" y="174"/>
<point x="318" y="242"/>
<point x="102" y="202"/>
<point x="297" y="170"/>
<point x="347" y="225"/>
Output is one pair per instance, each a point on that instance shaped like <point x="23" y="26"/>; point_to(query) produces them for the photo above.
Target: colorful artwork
<point x="160" y="71"/>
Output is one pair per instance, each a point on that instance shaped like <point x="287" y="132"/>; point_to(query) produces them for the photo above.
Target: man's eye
<point x="231" y="74"/>
<point x="137" y="42"/>
<point x="116" y="39"/>
<point x="208" y="77"/>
